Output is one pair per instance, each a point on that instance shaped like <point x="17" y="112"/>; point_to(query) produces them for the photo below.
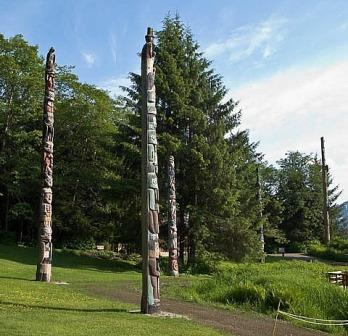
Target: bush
<point x="80" y="244"/>
<point x="7" y="238"/>
<point x="300" y="287"/>
<point x="246" y="293"/>
<point x="337" y="250"/>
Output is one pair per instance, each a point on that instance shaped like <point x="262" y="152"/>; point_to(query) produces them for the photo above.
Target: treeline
<point x="96" y="194"/>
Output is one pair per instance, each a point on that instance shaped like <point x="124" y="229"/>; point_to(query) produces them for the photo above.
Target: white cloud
<point x="113" y="85"/>
<point x="250" y="39"/>
<point x="293" y="109"/>
<point x="89" y="58"/>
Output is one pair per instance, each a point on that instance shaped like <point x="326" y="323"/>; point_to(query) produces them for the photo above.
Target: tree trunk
<point x="7" y="207"/>
<point x="181" y="237"/>
<point x="172" y="229"/>
<point x="191" y="255"/>
<point x="44" y="268"/>
<point x="324" y="171"/>
<point x="8" y="120"/>
<point x="259" y="197"/>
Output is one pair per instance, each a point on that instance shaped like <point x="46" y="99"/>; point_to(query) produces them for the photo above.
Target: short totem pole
<point x="150" y="301"/>
<point x="43" y="272"/>
<point x="172" y="229"/>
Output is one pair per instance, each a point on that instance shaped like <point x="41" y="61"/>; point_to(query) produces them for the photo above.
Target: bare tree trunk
<point x="7" y="208"/>
<point x="181" y="237"/>
<point x="324" y="172"/>
<point x="150" y="301"/>
<point x="8" y="120"/>
<point x="43" y="271"/>
<point x="191" y="253"/>
<point x="259" y="197"/>
<point x="172" y="229"/>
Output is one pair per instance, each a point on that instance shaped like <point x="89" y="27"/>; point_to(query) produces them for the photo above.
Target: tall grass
<point x="337" y="250"/>
<point x="300" y="287"/>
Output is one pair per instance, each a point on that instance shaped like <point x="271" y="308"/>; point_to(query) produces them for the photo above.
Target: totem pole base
<point x="43" y="272"/>
<point x="154" y="309"/>
<point x="174" y="273"/>
<point x="150" y="309"/>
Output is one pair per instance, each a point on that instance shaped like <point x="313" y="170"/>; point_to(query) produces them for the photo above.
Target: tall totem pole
<point x="150" y="301"/>
<point x="43" y="272"/>
<point x="172" y="229"/>
<point x="324" y="173"/>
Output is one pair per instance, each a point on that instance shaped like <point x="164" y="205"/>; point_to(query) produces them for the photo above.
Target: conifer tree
<point x="196" y="125"/>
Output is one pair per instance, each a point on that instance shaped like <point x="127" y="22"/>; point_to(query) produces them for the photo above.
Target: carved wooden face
<point x="47" y="195"/>
<point x="174" y="265"/>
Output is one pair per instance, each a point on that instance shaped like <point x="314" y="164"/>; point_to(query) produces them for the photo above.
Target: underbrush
<point x="337" y="250"/>
<point x="300" y="287"/>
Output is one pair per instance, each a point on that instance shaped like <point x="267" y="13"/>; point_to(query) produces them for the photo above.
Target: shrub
<point x="337" y="250"/>
<point x="300" y="287"/>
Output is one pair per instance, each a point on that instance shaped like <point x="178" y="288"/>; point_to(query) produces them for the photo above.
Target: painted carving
<point x="172" y="228"/>
<point x="43" y="272"/>
<point x="150" y="302"/>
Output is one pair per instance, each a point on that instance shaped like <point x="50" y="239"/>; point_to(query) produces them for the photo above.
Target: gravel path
<point x="234" y="323"/>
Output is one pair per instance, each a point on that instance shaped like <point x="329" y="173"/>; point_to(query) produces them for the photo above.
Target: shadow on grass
<point x="28" y="255"/>
<point x="100" y="310"/>
<point x="13" y="278"/>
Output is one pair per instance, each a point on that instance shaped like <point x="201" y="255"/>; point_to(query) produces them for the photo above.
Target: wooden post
<point x="259" y="197"/>
<point x="324" y="173"/>
<point x="150" y="301"/>
<point x="43" y="272"/>
<point x="172" y="229"/>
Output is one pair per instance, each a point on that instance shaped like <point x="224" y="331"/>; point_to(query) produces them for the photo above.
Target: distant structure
<point x="43" y="272"/>
<point x="324" y="172"/>
<point x="150" y="301"/>
<point x="259" y="197"/>
<point x="172" y="229"/>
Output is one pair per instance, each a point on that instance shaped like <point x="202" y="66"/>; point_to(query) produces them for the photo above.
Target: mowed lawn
<point x="28" y="307"/>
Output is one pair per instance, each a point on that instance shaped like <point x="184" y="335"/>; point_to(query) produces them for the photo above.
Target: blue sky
<point x="286" y="61"/>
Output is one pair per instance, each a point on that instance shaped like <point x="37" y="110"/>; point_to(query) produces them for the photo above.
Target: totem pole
<point x="172" y="229"/>
<point x="150" y="301"/>
<point x="43" y="272"/>
<point x="324" y="173"/>
<point x="259" y="197"/>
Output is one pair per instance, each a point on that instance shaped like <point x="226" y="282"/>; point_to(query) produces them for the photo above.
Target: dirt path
<point x="235" y="323"/>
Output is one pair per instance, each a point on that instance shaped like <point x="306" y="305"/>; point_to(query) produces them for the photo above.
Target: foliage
<point x="337" y="250"/>
<point x="96" y="193"/>
<point x="299" y="190"/>
<point x="214" y="161"/>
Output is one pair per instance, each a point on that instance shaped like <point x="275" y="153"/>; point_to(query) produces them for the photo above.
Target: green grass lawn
<point x="301" y="287"/>
<point x="28" y="307"/>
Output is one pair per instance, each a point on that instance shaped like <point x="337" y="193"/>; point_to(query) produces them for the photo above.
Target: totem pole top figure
<point x="148" y="47"/>
<point x="50" y="60"/>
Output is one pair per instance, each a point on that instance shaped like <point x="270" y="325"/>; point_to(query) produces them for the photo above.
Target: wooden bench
<point x="338" y="278"/>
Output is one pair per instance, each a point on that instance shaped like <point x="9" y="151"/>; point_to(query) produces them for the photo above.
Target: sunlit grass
<point x="32" y="308"/>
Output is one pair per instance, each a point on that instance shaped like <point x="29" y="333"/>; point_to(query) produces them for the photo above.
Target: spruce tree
<point x="198" y="127"/>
